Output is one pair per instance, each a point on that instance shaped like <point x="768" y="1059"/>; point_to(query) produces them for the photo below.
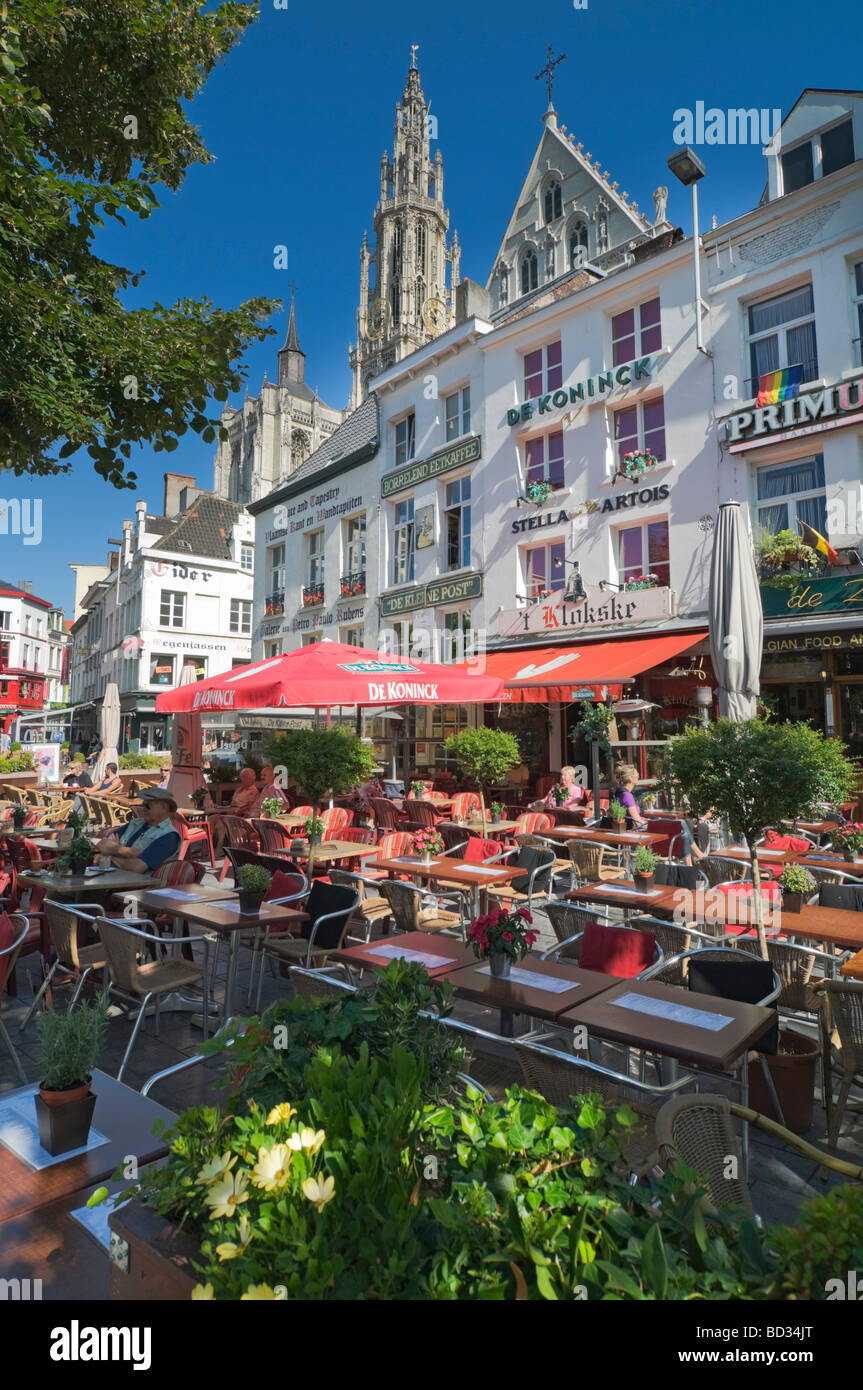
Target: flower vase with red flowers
<point x="502" y="937"/>
<point x="428" y="844"/>
<point x="848" y="839"/>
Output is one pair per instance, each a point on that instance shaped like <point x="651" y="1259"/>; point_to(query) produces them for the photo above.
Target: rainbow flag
<point x="779" y="386"/>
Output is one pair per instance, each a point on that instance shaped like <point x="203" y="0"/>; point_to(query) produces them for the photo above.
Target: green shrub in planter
<point x="198" y="796"/>
<point x="795" y="879"/>
<point x="130" y="761"/>
<point x="71" y="1043"/>
<point x="617" y="811"/>
<point x="645" y="860"/>
<point x="314" y="827"/>
<point x="253" y="878"/>
<point x="77" y="856"/>
<point x="271" y="805"/>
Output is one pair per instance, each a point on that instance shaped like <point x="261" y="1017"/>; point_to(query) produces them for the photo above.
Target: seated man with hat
<point x="150" y="839"/>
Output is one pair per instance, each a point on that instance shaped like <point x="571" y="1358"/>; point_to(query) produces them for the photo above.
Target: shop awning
<point x="547" y="675"/>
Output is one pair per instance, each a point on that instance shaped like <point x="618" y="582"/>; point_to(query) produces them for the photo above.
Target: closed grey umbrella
<point x="110" y="731"/>
<point x="736" y="619"/>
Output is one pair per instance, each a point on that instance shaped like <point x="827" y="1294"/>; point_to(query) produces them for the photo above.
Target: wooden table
<point x="621" y="892"/>
<point x="443" y="954"/>
<point x="812" y="827"/>
<point x="76" y="887"/>
<point x="672" y="1037"/>
<point x="853" y="968"/>
<point x="475" y="877"/>
<point x="517" y="995"/>
<point x="124" y="1117"/>
<point x="627" y="840"/>
<point x="48" y="1244"/>
<point x="328" y="851"/>
<point x="487" y="828"/>
<point x="224" y="916"/>
<point x="175" y="900"/>
<point x="790" y="856"/>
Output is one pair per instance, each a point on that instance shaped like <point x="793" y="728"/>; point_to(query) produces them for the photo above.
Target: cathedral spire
<point x="292" y="359"/>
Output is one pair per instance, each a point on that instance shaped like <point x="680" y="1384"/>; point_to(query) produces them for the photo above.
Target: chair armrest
<point x="553" y="950"/>
<point x="344" y="912"/>
<point x="187" y="1062"/>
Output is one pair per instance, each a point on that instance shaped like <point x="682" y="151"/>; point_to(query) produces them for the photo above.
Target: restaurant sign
<point x="815" y="642"/>
<point x="828" y="408"/>
<point x="595" y="387"/>
<point x="431" y="595"/>
<point x="432" y="467"/>
<point x="597" y="610"/>
<point x="832" y="595"/>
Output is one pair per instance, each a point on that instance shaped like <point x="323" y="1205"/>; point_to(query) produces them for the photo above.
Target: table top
<point x="604" y="837"/>
<point x="785" y="856"/>
<point x="335" y="849"/>
<point x="176" y="900"/>
<point x="622" y="892"/>
<point x="853" y="968"/>
<point x="224" y="914"/>
<point x="476" y="982"/>
<point x="126" y="1119"/>
<point x="673" y="1036"/>
<point x="813" y="827"/>
<point x="71" y="885"/>
<point x="490" y="827"/>
<point x="443" y="954"/>
<point x="452" y="869"/>
<point x="50" y="1245"/>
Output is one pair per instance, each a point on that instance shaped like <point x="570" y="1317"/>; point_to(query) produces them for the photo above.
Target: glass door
<point x="851" y="717"/>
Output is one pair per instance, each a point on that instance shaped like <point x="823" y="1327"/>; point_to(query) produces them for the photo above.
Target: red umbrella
<point x="333" y="673"/>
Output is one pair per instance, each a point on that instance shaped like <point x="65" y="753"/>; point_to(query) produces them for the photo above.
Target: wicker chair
<point x="422" y="813"/>
<point x="455" y="837"/>
<point x="371" y="909"/>
<point x="561" y="866"/>
<point x="323" y="933"/>
<point x="536" y="880"/>
<point x="239" y="834"/>
<point x="142" y="981"/>
<point x="406" y="904"/>
<point x="533" y="822"/>
<point x="63" y="921"/>
<point x="588" y="862"/>
<point x="336" y="819"/>
<point x="842" y="1018"/>
<point x="568" y="921"/>
<point x="384" y="815"/>
<point x="274" y="838"/>
<point x="718" y="869"/>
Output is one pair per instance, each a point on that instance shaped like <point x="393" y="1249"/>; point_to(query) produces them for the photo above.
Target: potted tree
<point x="324" y="762"/>
<point x="757" y="773"/>
<point x="796" y="884"/>
<point x="71" y="1045"/>
<point x="502" y="937"/>
<point x="645" y="863"/>
<point x="252" y="883"/>
<point x="484" y="755"/>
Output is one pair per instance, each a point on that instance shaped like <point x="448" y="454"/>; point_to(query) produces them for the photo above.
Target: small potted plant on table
<point x="615" y="818"/>
<point x="417" y="790"/>
<point x="314" y="828"/>
<point x="71" y="1045"/>
<point x="252" y="883"/>
<point x="198" y="797"/>
<point x="77" y="856"/>
<point x="502" y="937"/>
<point x="270" y="807"/>
<point x="19" y="816"/>
<point x="496" y="812"/>
<point x="796" y="884"/>
<point x="848" y="839"/>
<point x="645" y="863"/>
<point x="428" y="844"/>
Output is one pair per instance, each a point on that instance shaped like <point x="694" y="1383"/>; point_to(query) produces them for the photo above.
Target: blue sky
<point x="299" y="116"/>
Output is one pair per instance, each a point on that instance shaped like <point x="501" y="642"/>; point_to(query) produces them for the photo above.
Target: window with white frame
<point x="545" y="569"/>
<point x="457" y="408"/>
<point x="247" y="558"/>
<point x="781" y="333"/>
<point x="457" y="523"/>
<point x="310" y="638"/>
<point x="403" y="541"/>
<point x="643" y="550"/>
<point x="857" y="301"/>
<point x="240" y="623"/>
<point x="351" y="636"/>
<point x="790" y="492"/>
<point x="172" y="608"/>
<point x="199" y="663"/>
<point x="636" y="332"/>
<point x="543" y="370"/>
<point x="399" y="638"/>
<point x="354" y="544"/>
<point x="5" y="620"/>
<point x="826" y="151"/>
<point x="640" y="426"/>
<point x="544" y="459"/>
<point x="276" y="585"/>
<point x="272" y="649"/>
<point x="405" y="439"/>
<point x="456" y="635"/>
<point x="315" y="559"/>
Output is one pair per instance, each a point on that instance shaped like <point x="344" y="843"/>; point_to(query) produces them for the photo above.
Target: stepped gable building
<point x="405" y="300"/>
<point x="272" y="434"/>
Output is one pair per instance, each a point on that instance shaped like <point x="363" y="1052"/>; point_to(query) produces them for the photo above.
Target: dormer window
<point x="577" y="245"/>
<point x="529" y="271"/>
<point x="818" y="157"/>
<point x="553" y="202"/>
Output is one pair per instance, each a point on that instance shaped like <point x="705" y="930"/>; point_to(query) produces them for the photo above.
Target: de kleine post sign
<point x="811" y="596"/>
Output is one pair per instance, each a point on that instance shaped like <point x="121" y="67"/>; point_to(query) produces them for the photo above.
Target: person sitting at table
<point x="111" y="784"/>
<point x="684" y="841"/>
<point x="270" y="791"/>
<point x="148" y="840"/>
<point x="77" y="774"/>
<point x="575" y="794"/>
<point x="241" y="804"/>
<point x="164" y="776"/>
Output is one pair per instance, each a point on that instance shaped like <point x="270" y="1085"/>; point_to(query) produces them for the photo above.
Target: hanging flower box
<point x="539" y="491"/>
<point x="540" y="597"/>
<point x="313" y="595"/>
<point x="642" y="581"/>
<point x="635" y="464"/>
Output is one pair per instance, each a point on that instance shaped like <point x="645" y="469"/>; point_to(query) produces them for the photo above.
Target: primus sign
<point x="826" y="409"/>
<point x="595" y="386"/>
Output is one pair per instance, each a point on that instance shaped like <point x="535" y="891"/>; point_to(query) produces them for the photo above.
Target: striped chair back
<point x="173" y="873"/>
<point x="336" y="818"/>
<point x="239" y="834"/>
<point x="392" y="846"/>
<point x="420" y="812"/>
<point x="464" y="803"/>
<point x="533" y="821"/>
<point x="272" y="835"/>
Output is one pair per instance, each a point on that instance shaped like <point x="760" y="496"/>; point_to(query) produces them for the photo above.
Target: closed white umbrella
<point x="109" y="728"/>
<point x="186" y="743"/>
<point x="736" y="619"/>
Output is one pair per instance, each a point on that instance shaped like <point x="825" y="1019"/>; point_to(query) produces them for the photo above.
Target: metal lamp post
<point x="688" y="169"/>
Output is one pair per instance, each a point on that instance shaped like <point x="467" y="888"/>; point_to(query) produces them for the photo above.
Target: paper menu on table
<point x="621" y="888"/>
<point x="401" y="953"/>
<point x="550" y="983"/>
<point x="174" y="893"/>
<point x="674" y="1013"/>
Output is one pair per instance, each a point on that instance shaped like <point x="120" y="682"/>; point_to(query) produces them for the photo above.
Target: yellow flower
<point x="294" y="1141"/>
<point x="319" y="1192"/>
<point x="225" y="1196"/>
<point x="258" y="1293"/>
<point x="281" y="1114"/>
<point x="228" y="1250"/>
<point x="271" y="1169"/>
<point x="201" y="1291"/>
<point x="217" y="1168"/>
<point x="311" y="1141"/>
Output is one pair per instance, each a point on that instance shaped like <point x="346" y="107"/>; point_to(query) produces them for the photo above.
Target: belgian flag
<point x="817" y="542"/>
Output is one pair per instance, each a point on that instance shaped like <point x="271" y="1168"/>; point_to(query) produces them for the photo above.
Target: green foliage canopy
<point x="322" y="761"/>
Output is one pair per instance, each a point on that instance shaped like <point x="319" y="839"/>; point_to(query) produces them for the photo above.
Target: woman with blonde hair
<point x="572" y="797"/>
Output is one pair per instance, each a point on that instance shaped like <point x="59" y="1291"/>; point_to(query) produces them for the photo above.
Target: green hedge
<point x="141" y="760"/>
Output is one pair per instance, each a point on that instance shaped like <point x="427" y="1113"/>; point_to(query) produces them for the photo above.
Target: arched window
<point x="553" y="202"/>
<point x="420" y="296"/>
<point x="421" y="248"/>
<point x="529" y="271"/>
<point x="398" y="247"/>
<point x="577" y="244"/>
<point x="396" y="300"/>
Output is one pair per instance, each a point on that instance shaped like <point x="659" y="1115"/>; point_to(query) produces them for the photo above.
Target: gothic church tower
<point x="405" y="300"/>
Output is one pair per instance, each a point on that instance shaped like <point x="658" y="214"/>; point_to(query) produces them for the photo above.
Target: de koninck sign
<point x="431" y="595"/>
<point x="431" y="467"/>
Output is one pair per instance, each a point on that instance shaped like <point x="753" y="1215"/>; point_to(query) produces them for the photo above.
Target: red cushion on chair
<point x="768" y="889"/>
<point x="477" y="850"/>
<point x="616" y="950"/>
<point x="282" y="886"/>
<point x="786" y="842"/>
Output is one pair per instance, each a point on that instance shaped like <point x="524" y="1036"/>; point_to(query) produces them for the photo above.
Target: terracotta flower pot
<point x="65" y="1097"/>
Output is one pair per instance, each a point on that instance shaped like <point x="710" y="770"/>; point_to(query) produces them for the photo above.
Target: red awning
<point x="598" y="666"/>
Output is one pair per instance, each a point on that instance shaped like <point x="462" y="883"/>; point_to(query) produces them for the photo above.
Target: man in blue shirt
<point x="146" y="842"/>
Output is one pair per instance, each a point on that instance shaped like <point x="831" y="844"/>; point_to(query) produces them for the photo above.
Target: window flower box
<point x="353" y="585"/>
<point x="635" y="464"/>
<point x="642" y="581"/>
<point x="313" y="595"/>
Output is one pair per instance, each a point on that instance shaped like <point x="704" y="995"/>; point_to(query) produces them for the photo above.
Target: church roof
<point x="356" y="439"/>
<point x="205" y="528"/>
<point x="292" y="341"/>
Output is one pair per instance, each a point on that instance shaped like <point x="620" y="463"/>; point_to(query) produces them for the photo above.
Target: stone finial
<point x="614" y="186"/>
<point x="580" y="146"/>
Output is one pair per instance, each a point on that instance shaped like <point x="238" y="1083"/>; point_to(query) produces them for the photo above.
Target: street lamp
<point x="688" y="169"/>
